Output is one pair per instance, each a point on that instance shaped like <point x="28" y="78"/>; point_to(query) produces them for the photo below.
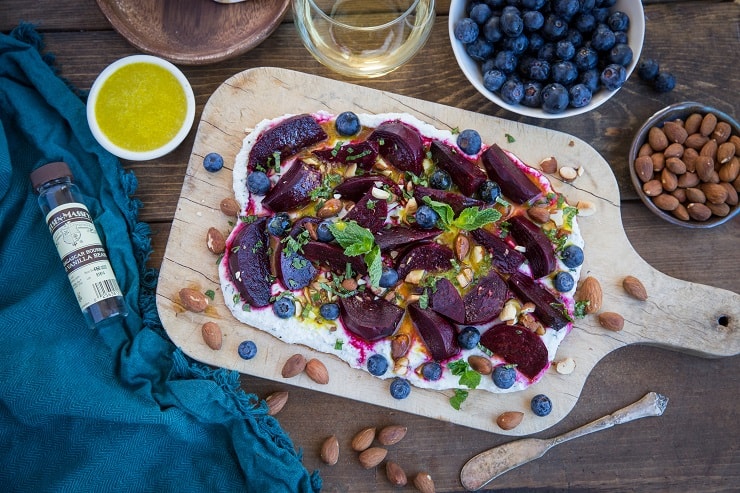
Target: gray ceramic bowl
<point x="677" y="111"/>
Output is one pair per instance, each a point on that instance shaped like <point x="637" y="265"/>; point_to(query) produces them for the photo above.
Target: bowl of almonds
<point x="685" y="165"/>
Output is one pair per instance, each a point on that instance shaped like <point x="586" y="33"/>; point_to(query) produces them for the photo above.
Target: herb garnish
<point x="469" y="219"/>
<point x="468" y="377"/>
<point x="357" y="240"/>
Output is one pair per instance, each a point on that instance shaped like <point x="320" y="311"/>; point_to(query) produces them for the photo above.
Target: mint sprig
<point x="468" y="377"/>
<point x="357" y="240"/>
<point x="469" y="219"/>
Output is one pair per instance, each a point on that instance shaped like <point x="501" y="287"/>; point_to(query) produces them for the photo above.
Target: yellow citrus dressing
<point x="141" y="107"/>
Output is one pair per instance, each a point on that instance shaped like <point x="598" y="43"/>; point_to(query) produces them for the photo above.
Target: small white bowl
<point x="472" y="70"/>
<point x="154" y="114"/>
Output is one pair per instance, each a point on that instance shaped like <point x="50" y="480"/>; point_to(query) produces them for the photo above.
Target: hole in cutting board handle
<point x="723" y="320"/>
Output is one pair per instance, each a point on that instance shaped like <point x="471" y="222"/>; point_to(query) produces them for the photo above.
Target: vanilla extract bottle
<point x="78" y="243"/>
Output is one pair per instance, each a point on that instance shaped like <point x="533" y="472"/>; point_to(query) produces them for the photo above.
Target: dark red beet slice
<point x="401" y="145"/>
<point x="467" y="175"/>
<point x="439" y="334"/>
<point x="445" y="299"/>
<point x="333" y="257"/>
<point x="369" y="318"/>
<point x="548" y="308"/>
<point x="363" y="154"/>
<point x="457" y="201"/>
<point x="293" y="189"/>
<point x="250" y="265"/>
<point x="539" y="250"/>
<point x="287" y="138"/>
<point x="355" y="187"/>
<point x="514" y="183"/>
<point x="485" y="300"/>
<point x="400" y="236"/>
<point x="429" y="256"/>
<point x="518" y="346"/>
<point x="505" y="258"/>
<point x="369" y="212"/>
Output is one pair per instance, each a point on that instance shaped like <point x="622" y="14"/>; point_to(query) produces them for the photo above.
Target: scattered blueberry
<point x="555" y="98"/>
<point x="466" y="30"/>
<point x="572" y="256"/>
<point x="377" y="364"/>
<point x="388" y="277"/>
<point x="580" y="95"/>
<point x="648" y="69"/>
<point x="329" y="311"/>
<point x="613" y="76"/>
<point x="247" y="350"/>
<point x="426" y="217"/>
<point x="489" y="191"/>
<point x="431" y="371"/>
<point x="468" y="337"/>
<point x="258" y="183"/>
<point x="323" y="232"/>
<point x="563" y="281"/>
<point x="347" y="123"/>
<point x="512" y="92"/>
<point x="279" y="224"/>
<point x="664" y="82"/>
<point x="440" y="180"/>
<point x="469" y="141"/>
<point x="400" y="388"/>
<point x="213" y="162"/>
<point x="504" y="376"/>
<point x="541" y="405"/>
<point x="284" y="307"/>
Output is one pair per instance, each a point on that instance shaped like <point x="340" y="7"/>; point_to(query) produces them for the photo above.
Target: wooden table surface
<point x="694" y="446"/>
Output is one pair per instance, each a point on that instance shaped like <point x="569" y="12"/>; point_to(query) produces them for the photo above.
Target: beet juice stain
<point x="77" y="241"/>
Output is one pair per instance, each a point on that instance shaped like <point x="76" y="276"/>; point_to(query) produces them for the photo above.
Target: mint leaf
<point x="445" y="212"/>
<point x="374" y="265"/>
<point x="473" y="218"/>
<point x="470" y="379"/>
<point x="459" y="397"/>
<point x="357" y="240"/>
<point x="569" y="213"/>
<point x="458" y="367"/>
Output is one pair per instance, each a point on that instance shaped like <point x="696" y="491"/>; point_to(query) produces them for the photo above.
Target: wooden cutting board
<point x="680" y="315"/>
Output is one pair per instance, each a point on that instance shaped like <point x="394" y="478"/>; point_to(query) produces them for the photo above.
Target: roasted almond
<point x="652" y="188"/>
<point x="715" y="193"/>
<point x="363" y="439"/>
<point x="294" y="366"/>
<point x="709" y="149"/>
<point x="680" y="194"/>
<point x="330" y="208"/>
<point x="509" y="420"/>
<point x="698" y="212"/>
<point x="549" y="165"/>
<point x="276" y="402"/>
<point x="611" y="321"/>
<point x="665" y="202"/>
<point x="675" y="165"/>
<point x="399" y="345"/>
<point x="704" y="167"/>
<point x="229" y="206"/>
<point x="694" y="194"/>
<point x="212" y="335"/>
<point x="695" y="141"/>
<point x="316" y="371"/>
<point x="391" y="435"/>
<point x="730" y="170"/>
<point x="634" y="287"/>
<point x="643" y="168"/>
<point x="658" y="160"/>
<point x="462" y="246"/>
<point x="215" y="241"/>
<point x="675" y="132"/>
<point x="693" y="122"/>
<point x="424" y="483"/>
<point x="707" y="124"/>
<point x="732" y="196"/>
<point x="720" y="210"/>
<point x="688" y="179"/>
<point x="480" y="364"/>
<point x="721" y="132"/>
<point x="193" y="300"/>
<point x="541" y="214"/>
<point x="371" y="457"/>
<point x="681" y="213"/>
<point x="590" y="292"/>
<point x="668" y="179"/>
<point x="330" y="450"/>
<point x="657" y="139"/>
<point x="725" y="152"/>
<point x="395" y="474"/>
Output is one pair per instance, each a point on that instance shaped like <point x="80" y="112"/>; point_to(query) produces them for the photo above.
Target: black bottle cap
<point x="49" y="172"/>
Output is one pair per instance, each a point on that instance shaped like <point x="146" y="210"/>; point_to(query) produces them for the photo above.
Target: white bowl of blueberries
<point x="547" y="58"/>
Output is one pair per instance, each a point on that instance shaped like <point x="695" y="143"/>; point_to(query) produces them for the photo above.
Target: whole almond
<point x="680" y="194"/>
<point x="657" y="139"/>
<point x="694" y="194"/>
<point x="675" y="132"/>
<point x="665" y="202"/>
<point x="294" y="366"/>
<point x="673" y="150"/>
<point x="229" y="206"/>
<point x="695" y="141"/>
<point x="363" y="439"/>
<point x="732" y="196"/>
<point x="480" y="364"/>
<point x="675" y="165"/>
<point x="707" y="124"/>
<point x="689" y="159"/>
<point x="699" y="212"/>
<point x="330" y="450"/>
<point x="212" y="335"/>
<point x="399" y="345"/>
<point x="541" y="214"/>
<point x="720" y="210"/>
<point x="590" y="292"/>
<point x="316" y="371"/>
<point x="276" y="402"/>
<point x="611" y="321"/>
<point x="193" y="300"/>
<point x="725" y="152"/>
<point x="704" y="167"/>
<point x="730" y="170"/>
<point x="681" y="213"/>
<point x="643" y="169"/>
<point x="693" y="122"/>
<point x="721" y="132"/>
<point x="715" y="193"/>
<point x="658" y="159"/>
<point x="668" y="179"/>
<point x="509" y="420"/>
<point x="688" y="180"/>
<point x="549" y="165"/>
<point x="652" y="188"/>
<point x="391" y="435"/>
<point x="395" y="474"/>
<point x="215" y="241"/>
<point x="423" y="482"/>
<point x="330" y="208"/>
<point x="709" y="149"/>
<point x="634" y="287"/>
<point x="371" y="457"/>
<point x="645" y="150"/>
<point x="462" y="246"/>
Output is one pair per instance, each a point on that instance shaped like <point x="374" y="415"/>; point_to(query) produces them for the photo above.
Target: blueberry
<point x="388" y="277"/>
<point x="440" y="180"/>
<point x="511" y="23"/>
<point x="493" y="80"/>
<point x="580" y="95"/>
<point x="400" y="388"/>
<point x="618" y="21"/>
<point x="279" y="224"/>
<point x="512" y="92"/>
<point x="431" y="371"/>
<point x="585" y="23"/>
<point x="620" y="54"/>
<point x="566" y="8"/>
<point x="587" y="5"/>
<point x="506" y="61"/>
<point x="533" y="4"/>
<point x="247" y="350"/>
<point x="572" y="256"/>
<point x="489" y="191"/>
<point x="480" y="13"/>
<point x="426" y="217"/>
<point x="323" y="232"/>
<point x="547" y="53"/>
<point x="541" y="405"/>
<point x="555" y="98"/>
<point x="347" y="123"/>
<point x="600" y="14"/>
<point x="536" y="42"/>
<point x="213" y="162"/>
<point x="479" y="50"/>
<point x="620" y="37"/>
<point x="377" y="364"/>
<point x="492" y="29"/>
<point x="648" y="69"/>
<point x="575" y="37"/>
<point x="329" y="311"/>
<point x="603" y="39"/>
<point x="517" y="45"/>
<point x="466" y="30"/>
<point x="284" y="307"/>
<point x="664" y="82"/>
<point x="563" y="72"/>
<point x="469" y="141"/>
<point x="533" y="20"/>
<point x="565" y="50"/>
<point x="468" y="337"/>
<point x="563" y="281"/>
<point x="532" y="94"/>
<point x="592" y="79"/>
<point x="258" y="183"/>
<point x="504" y="376"/>
<point x="539" y="70"/>
<point x="586" y="58"/>
<point x="613" y="76"/>
<point x="554" y="28"/>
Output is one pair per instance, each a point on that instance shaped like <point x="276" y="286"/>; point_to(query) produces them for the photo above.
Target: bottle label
<point x="82" y="254"/>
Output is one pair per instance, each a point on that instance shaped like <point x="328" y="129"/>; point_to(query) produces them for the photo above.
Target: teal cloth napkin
<point x="119" y="408"/>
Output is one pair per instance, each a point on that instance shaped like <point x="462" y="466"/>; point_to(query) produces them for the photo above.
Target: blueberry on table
<point x="426" y="217"/>
<point x="431" y="371"/>
<point x="279" y="224"/>
<point x="213" y="162"/>
<point x="563" y="281"/>
<point x="440" y="180"/>
<point x="469" y="141"/>
<point x="400" y="388"/>
<point x="466" y="30"/>
<point x="613" y="76"/>
<point x="247" y="350"/>
<point x="323" y="232"/>
<point x="489" y="191"/>
<point x="664" y="82"/>
<point x="572" y="256"/>
<point x="388" y="277"/>
<point x="284" y="307"/>
<point x="258" y="183"/>
<point x="541" y="405"/>
<point x="347" y="123"/>
<point x="504" y="376"/>
<point x="648" y="69"/>
<point x="377" y="365"/>
<point x="329" y="311"/>
<point x="580" y="95"/>
<point x="468" y="337"/>
<point x="555" y="98"/>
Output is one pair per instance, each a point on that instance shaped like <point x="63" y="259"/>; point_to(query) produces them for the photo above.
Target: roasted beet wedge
<point x="539" y="249"/>
<point x="286" y="138"/>
<point x="333" y="256"/>
<point x="249" y="263"/>
<point x="445" y="299"/>
<point x="457" y="201"/>
<point x="369" y="318"/>
<point x="467" y="175"/>
<point x="369" y="212"/>
<point x="294" y="271"/>
<point x="548" y="308"/>
<point x="400" y="236"/>
<point x="401" y="145"/>
<point x="504" y="258"/>
<point x="518" y="346"/>
<point x="355" y="187"/>
<point x="485" y="300"/>
<point x="514" y="183"/>
<point x="439" y="334"/>
<point x="363" y="154"/>
<point x="429" y="256"/>
<point x="293" y="189"/>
